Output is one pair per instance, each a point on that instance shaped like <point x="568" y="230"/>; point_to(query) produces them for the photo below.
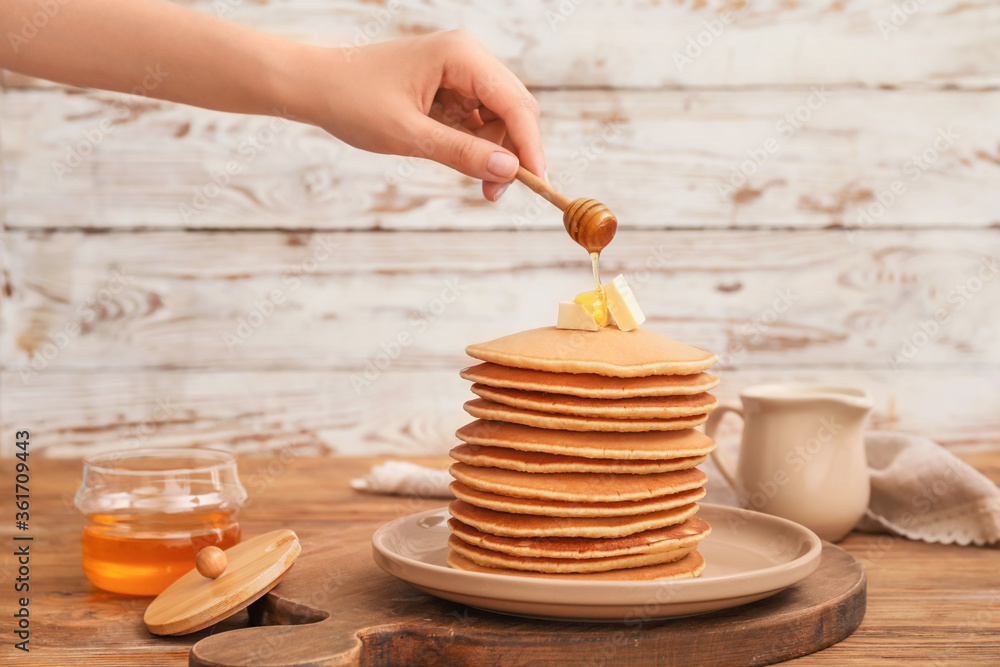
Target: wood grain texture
<point x="99" y="289"/>
<point x="716" y="158"/>
<point x="416" y="629"/>
<point x="305" y="413"/>
<point x="925" y="602"/>
<point x="256" y="301"/>
<point x="603" y="43"/>
<point x="327" y="373"/>
<point x="198" y="599"/>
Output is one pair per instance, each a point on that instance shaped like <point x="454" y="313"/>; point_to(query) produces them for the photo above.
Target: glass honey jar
<point x="149" y="511"/>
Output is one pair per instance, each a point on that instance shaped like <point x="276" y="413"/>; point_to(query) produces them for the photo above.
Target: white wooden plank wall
<point x="813" y="192"/>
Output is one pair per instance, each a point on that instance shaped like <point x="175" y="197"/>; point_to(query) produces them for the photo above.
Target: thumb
<point x="465" y="152"/>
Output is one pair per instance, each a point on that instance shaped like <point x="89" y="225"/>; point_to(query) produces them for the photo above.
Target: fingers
<point x="466" y="152"/>
<point x="487" y="115"/>
<point x="454" y="108"/>
<point x="493" y="191"/>
<point x="474" y="73"/>
<point x="494" y="131"/>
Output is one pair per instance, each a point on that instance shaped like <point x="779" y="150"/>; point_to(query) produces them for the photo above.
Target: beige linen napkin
<point x="402" y="478"/>
<point x="922" y="491"/>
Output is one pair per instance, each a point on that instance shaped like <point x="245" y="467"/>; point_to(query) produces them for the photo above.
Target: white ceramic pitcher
<point x="802" y="455"/>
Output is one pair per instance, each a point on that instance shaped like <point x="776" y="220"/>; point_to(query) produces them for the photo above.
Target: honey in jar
<point x="142" y="555"/>
<point x="149" y="512"/>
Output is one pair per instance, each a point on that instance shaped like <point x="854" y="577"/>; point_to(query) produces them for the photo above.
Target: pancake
<point x="581" y="460"/>
<point x="488" y="558"/>
<point x="608" y="351"/>
<point x="561" y="508"/>
<point x="589" y="385"/>
<point x="605" y="445"/>
<point x="577" y="486"/>
<point x="512" y="459"/>
<point x="670" y="538"/>
<point x="518" y="525"/>
<point x="685" y="568"/>
<point x="643" y="407"/>
<point x="489" y="410"/>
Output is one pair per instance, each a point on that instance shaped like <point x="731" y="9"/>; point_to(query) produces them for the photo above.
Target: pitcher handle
<point x="720" y="459"/>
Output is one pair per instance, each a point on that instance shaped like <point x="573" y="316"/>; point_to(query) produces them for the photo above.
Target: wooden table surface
<point x="928" y="604"/>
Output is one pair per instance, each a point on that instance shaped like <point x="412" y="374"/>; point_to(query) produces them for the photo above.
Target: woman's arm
<point x="379" y="98"/>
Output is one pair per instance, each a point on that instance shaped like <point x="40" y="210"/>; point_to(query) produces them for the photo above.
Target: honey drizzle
<point x="594" y="260"/>
<point x="595" y="302"/>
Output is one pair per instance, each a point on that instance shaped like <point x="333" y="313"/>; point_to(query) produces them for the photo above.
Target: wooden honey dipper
<point x="589" y="222"/>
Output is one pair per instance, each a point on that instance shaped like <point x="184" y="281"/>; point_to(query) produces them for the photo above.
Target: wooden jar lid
<point x="248" y="570"/>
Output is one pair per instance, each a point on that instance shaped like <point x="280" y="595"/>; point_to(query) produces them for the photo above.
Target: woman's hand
<point x="406" y="97"/>
<point x="395" y="97"/>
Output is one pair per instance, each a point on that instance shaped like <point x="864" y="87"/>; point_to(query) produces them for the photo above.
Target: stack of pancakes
<point x="581" y="462"/>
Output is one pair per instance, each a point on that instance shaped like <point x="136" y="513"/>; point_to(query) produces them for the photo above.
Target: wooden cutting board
<point x="336" y="607"/>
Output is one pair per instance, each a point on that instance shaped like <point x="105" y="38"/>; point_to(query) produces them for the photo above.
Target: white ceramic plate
<point x="749" y="556"/>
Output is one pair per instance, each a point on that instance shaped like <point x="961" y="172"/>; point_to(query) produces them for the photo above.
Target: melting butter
<point x="595" y="304"/>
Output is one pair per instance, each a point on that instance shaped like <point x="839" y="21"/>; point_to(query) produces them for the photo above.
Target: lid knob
<point x="211" y="562"/>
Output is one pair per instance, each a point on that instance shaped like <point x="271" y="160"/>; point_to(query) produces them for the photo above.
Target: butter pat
<point x="572" y="315"/>
<point x="622" y="304"/>
<point x="596" y="305"/>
